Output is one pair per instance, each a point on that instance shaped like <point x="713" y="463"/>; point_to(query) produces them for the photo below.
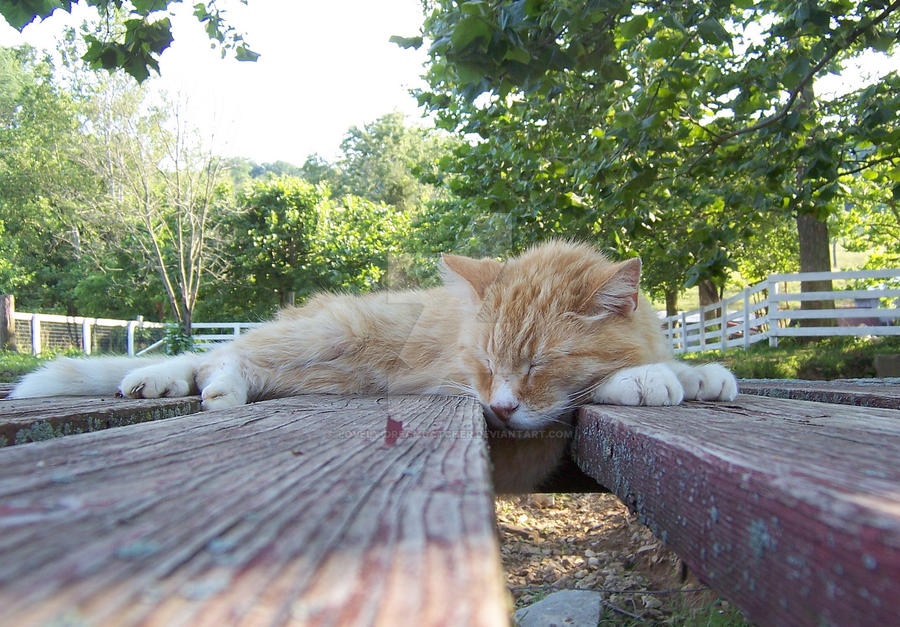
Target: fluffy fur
<point x="531" y="338"/>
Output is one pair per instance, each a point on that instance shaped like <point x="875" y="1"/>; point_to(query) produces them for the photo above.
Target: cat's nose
<point x="503" y="411"/>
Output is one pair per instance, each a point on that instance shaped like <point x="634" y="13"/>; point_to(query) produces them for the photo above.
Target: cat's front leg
<point x="170" y="378"/>
<point x="651" y="385"/>
<point x="709" y="382"/>
<point x="221" y="382"/>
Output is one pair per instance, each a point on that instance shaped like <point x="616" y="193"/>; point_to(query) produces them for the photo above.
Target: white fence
<point x="765" y="311"/>
<point x="770" y="310"/>
<point x="44" y="332"/>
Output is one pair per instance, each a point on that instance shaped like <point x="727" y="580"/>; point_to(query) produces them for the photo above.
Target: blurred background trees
<point x="704" y="137"/>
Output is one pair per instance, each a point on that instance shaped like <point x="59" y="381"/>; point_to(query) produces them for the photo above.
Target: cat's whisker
<point x="466" y="389"/>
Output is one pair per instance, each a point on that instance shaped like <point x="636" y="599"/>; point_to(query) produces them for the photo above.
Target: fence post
<point x="702" y="326"/>
<point x="746" y="318"/>
<point x="723" y="310"/>
<point x="770" y="303"/>
<point x="129" y="337"/>
<point x="8" y="322"/>
<point x="86" y="336"/>
<point x="35" y="335"/>
<point x="684" y="346"/>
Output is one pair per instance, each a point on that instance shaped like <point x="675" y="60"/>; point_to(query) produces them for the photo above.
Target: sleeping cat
<point x="531" y="339"/>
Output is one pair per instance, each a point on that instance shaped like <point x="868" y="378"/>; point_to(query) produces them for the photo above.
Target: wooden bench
<point x="324" y="509"/>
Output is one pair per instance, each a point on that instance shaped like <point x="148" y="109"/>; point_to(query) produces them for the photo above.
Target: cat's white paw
<point x="710" y="382"/>
<point x="157" y="381"/>
<point x="651" y="385"/>
<point x="224" y="393"/>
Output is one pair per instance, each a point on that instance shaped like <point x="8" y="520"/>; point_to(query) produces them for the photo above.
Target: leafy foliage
<point x="672" y="131"/>
<point x="272" y="240"/>
<point x="134" y="42"/>
<point x="177" y="339"/>
<point x="40" y="251"/>
<point x="292" y="239"/>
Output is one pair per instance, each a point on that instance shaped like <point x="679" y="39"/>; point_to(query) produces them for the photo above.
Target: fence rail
<point x="772" y="309"/>
<point x="39" y="333"/>
<point x="765" y="311"/>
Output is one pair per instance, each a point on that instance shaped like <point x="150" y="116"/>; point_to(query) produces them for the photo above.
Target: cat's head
<point x="542" y="329"/>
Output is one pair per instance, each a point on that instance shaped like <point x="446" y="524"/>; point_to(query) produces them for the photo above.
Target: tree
<point x="273" y="235"/>
<point x="163" y="198"/>
<point x="387" y="161"/>
<point x="291" y="239"/>
<point x="357" y="245"/>
<point x="611" y="118"/>
<point x="869" y="221"/>
<point x="41" y="251"/>
<point x="135" y="34"/>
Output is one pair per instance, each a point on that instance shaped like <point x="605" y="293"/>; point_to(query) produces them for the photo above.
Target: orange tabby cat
<point x="530" y="338"/>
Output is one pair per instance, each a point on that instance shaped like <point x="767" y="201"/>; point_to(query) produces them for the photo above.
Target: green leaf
<point x="795" y="71"/>
<point x="469" y="73"/>
<point x="519" y="54"/>
<point x="243" y="53"/>
<point x="634" y="26"/>
<point x="469" y="31"/>
<point x="613" y="71"/>
<point x="145" y="7"/>
<point x="712" y="32"/>
<point x="20" y="14"/>
<point x="406" y="42"/>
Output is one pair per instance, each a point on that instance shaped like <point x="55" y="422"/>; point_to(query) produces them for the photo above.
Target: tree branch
<point x="794" y="94"/>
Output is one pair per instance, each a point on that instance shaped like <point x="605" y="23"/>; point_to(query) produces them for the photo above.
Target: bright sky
<point x="324" y="67"/>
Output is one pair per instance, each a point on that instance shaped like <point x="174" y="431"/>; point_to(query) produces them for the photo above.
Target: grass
<point x="826" y="358"/>
<point x="14" y="365"/>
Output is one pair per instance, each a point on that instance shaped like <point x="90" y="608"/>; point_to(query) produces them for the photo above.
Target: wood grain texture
<point x="35" y="419"/>
<point x="306" y="510"/>
<point x="791" y="509"/>
<point x="860" y="392"/>
<point x="5" y="389"/>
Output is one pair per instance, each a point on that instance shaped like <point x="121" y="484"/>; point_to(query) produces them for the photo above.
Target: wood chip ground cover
<point x="591" y="541"/>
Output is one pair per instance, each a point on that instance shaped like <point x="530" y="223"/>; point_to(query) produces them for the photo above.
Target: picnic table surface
<point x="317" y="510"/>
<point x="379" y="510"/>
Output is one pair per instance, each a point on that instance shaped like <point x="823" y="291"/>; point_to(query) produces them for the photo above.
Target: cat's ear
<point x="468" y="278"/>
<point x="619" y="294"/>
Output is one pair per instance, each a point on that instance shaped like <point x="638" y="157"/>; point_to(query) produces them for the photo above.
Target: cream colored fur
<point x="531" y="338"/>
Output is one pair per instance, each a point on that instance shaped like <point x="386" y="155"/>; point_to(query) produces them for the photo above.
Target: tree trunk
<point x="709" y="294"/>
<point x="671" y="302"/>
<point x="7" y="323"/>
<point x="814" y="257"/>
<point x="812" y="237"/>
<point x="187" y="321"/>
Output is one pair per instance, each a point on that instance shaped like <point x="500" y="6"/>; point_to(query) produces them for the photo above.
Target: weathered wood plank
<point x="860" y="392"/>
<point x="5" y="389"/>
<point x="310" y="510"/>
<point x="34" y="419"/>
<point x="789" y="508"/>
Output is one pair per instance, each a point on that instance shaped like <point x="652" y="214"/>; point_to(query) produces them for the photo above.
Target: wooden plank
<point x="5" y="389"/>
<point x="34" y="419"/>
<point x="791" y="509"/>
<point x="860" y="392"/>
<point x="318" y="510"/>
